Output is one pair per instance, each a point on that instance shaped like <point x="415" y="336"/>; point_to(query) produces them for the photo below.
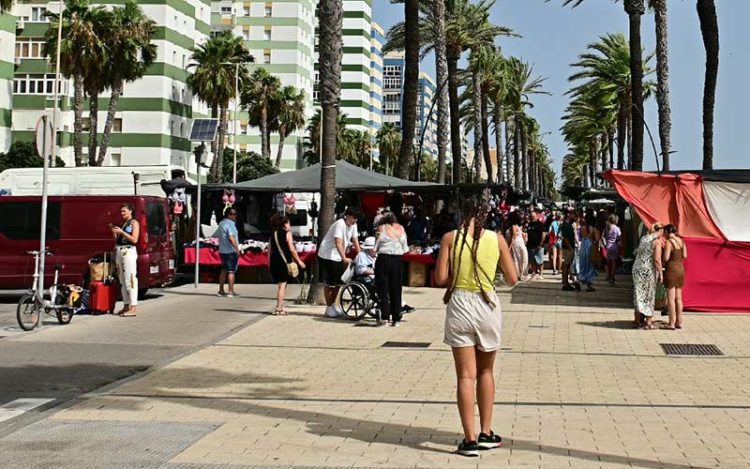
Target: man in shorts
<point x="332" y="260"/>
<point x="568" y="235"/>
<point x="229" y="251"/>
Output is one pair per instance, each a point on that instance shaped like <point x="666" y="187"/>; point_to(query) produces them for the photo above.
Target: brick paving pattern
<point x="576" y="387"/>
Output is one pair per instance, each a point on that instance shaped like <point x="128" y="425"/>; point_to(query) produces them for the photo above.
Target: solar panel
<point x="204" y="130"/>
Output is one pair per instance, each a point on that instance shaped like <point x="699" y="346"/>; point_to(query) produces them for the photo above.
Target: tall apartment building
<point x="376" y="77"/>
<point x="393" y="86"/>
<point x="280" y="35"/>
<point x="153" y="120"/>
<point x="7" y="65"/>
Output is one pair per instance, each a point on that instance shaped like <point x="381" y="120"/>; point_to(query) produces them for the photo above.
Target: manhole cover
<point x="392" y="344"/>
<point x="691" y="349"/>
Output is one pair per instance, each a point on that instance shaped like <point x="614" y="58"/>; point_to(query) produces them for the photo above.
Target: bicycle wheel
<point x="65" y="314"/>
<point x="27" y="312"/>
<point x="354" y="299"/>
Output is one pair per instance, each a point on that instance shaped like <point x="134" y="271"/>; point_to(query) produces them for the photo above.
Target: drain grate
<point x="691" y="349"/>
<point x="392" y="344"/>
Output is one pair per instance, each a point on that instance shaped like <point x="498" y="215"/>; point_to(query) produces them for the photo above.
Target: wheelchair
<point x="359" y="298"/>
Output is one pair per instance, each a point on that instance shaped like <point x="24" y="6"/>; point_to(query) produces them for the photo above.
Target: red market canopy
<point x="710" y="211"/>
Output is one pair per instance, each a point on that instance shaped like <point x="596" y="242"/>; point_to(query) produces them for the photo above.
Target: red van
<point x="77" y="229"/>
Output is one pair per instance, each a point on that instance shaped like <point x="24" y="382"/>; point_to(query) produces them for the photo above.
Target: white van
<point x="91" y="180"/>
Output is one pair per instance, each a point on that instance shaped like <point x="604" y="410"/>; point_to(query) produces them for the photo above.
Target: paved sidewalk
<point x="576" y="387"/>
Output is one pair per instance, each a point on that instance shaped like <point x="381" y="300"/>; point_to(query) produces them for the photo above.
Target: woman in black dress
<point x="280" y="252"/>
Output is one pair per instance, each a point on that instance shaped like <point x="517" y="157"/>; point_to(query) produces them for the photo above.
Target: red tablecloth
<point x="211" y="256"/>
<point x="420" y="258"/>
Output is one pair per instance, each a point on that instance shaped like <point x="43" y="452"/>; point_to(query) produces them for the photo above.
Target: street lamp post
<point x="236" y="120"/>
<point x="47" y="159"/>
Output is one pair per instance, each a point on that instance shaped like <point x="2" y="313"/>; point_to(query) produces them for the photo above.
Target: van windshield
<point x="22" y="220"/>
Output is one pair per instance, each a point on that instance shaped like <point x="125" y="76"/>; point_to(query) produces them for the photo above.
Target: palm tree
<point x="441" y="74"/>
<point x="662" y="79"/>
<point x="312" y="156"/>
<point x="521" y="85"/>
<point x="330" y="17"/>
<point x="389" y="143"/>
<point x="82" y="55"/>
<point x="131" y="53"/>
<point x="466" y="24"/>
<point x="258" y="98"/>
<point x="213" y="82"/>
<point x="5" y="6"/>
<point x="291" y="115"/>
<point x="634" y="9"/>
<point x="496" y="95"/>
<point x="710" y="32"/>
<point x="411" y="87"/>
<point x="606" y="70"/>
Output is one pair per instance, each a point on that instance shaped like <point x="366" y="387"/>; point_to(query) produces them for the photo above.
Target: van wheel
<point x="142" y="293"/>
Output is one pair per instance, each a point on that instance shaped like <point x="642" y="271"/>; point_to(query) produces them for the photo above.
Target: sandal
<point x="127" y="314"/>
<point x="667" y="327"/>
<point x="649" y="327"/>
<point x="678" y="326"/>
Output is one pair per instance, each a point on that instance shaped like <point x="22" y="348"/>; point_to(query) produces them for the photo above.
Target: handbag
<point x="292" y="269"/>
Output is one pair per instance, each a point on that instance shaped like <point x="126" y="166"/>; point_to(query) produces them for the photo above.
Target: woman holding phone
<point x="126" y="257"/>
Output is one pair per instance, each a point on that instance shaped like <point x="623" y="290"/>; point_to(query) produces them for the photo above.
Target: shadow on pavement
<point x="617" y="324"/>
<point x="410" y="436"/>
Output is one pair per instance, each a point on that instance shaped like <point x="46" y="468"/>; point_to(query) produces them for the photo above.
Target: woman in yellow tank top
<point x="467" y="263"/>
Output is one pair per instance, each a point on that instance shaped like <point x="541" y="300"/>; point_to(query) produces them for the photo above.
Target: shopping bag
<point x="348" y="274"/>
<point x="660" y="300"/>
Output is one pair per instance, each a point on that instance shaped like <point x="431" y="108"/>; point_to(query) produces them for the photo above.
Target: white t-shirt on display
<point x="337" y="230"/>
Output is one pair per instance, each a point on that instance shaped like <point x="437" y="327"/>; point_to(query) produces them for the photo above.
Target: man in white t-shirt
<point x="332" y="260"/>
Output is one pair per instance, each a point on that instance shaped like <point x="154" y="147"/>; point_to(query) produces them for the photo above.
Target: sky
<point x="553" y="37"/>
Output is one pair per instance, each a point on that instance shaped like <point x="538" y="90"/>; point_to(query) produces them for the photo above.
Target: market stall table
<point x="210" y="256"/>
<point x="419" y="267"/>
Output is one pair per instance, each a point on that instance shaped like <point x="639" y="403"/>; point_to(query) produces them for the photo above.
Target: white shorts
<point x="471" y="322"/>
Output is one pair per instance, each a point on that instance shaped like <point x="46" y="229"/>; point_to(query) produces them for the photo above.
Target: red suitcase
<point x="102" y="297"/>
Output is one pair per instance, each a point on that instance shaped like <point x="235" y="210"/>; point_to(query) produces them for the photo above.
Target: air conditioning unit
<point x="20" y="24"/>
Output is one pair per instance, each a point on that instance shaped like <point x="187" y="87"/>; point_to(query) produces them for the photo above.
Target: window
<point x="269" y="10"/>
<point x="116" y="124"/>
<point x="184" y="60"/>
<point x="174" y="57"/>
<point x="246" y="34"/>
<point x="182" y="129"/>
<point x="226" y="10"/>
<point x="155" y="219"/>
<point x="29" y="48"/>
<point x="37" y="84"/>
<point x="246" y="10"/>
<point x="38" y="15"/>
<point x="267" y="56"/>
<point x="21" y="220"/>
<point x="267" y="33"/>
<point x="115" y="159"/>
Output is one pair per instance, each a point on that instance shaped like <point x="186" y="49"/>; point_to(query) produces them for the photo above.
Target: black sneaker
<point x="568" y="288"/>
<point x="469" y="449"/>
<point x="490" y="441"/>
<point x="407" y="309"/>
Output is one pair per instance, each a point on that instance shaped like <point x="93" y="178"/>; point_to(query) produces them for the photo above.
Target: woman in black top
<point x="280" y="252"/>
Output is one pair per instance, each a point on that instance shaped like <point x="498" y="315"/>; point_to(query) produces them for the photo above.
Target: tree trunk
<point x="411" y="88"/>
<point x="622" y="131"/>
<point x="635" y="9"/>
<point x="441" y="72"/>
<point x="611" y="145"/>
<point x="93" y="122"/>
<point x="509" y="135"/>
<point x="478" y="136"/>
<point x="517" y="154"/>
<point x="662" y="77"/>
<point x="221" y="135"/>
<point x="111" y="110"/>
<point x="78" y="119"/>
<point x="629" y="162"/>
<point x="710" y="32"/>
<point x="498" y="120"/>
<point x="593" y="156"/>
<point x="331" y="14"/>
<point x="524" y="158"/>
<point x="603" y="150"/>
<point x="486" y="140"/>
<point x="455" y="116"/>
<point x="280" y="152"/>
<point x="265" y="150"/>
<point x="214" y="146"/>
